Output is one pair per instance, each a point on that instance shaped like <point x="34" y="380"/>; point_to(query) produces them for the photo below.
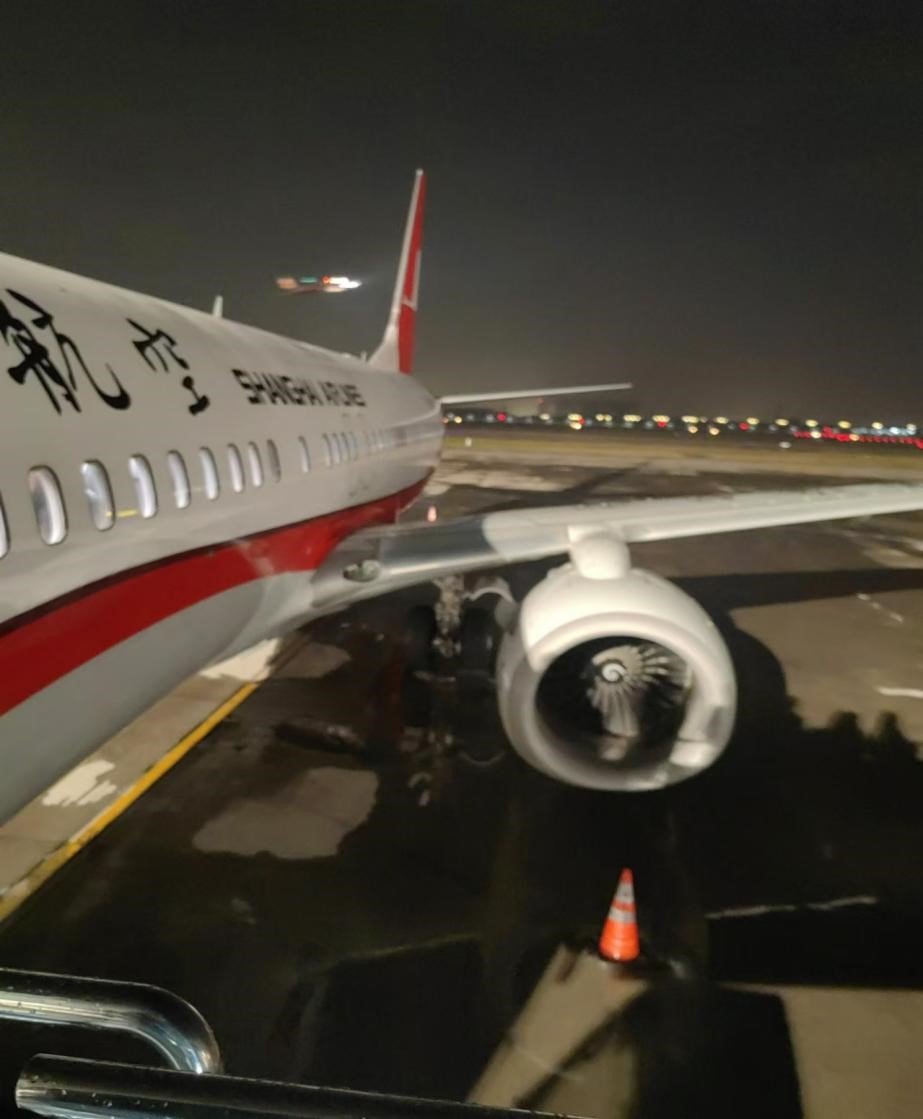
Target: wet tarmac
<point x="358" y="884"/>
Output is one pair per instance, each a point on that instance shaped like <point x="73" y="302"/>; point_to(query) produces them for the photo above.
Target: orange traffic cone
<point x="619" y="940"/>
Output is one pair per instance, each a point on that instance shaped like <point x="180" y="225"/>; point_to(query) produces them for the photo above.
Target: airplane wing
<point x="378" y="560"/>
<point x="521" y="394"/>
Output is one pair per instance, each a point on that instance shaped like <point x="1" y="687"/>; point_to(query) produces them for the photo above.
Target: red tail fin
<point x="396" y="349"/>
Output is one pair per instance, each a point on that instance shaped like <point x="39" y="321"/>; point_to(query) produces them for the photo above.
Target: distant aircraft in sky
<point x="315" y="285"/>
<point x="176" y="487"/>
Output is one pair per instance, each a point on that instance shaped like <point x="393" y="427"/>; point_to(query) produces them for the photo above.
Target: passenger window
<point x="236" y="468"/>
<point x="305" y="454"/>
<point x="145" y="492"/>
<point x="180" y="479"/>
<point x="275" y="465"/>
<point x="4" y="535"/>
<point x="256" y="464"/>
<point x="209" y="473"/>
<point x="99" y="494"/>
<point x="48" y="504"/>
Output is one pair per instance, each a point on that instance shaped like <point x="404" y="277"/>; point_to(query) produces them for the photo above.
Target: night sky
<point x="721" y="202"/>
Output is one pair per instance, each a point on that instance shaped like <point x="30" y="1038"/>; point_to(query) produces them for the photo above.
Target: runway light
<point x="810" y="423"/>
<point x="782" y="423"/>
<point x="721" y="419"/>
<point x="692" y="429"/>
<point x="878" y="425"/>
<point x="632" y="419"/>
<point x="752" y="421"/>
<point x="661" y="419"/>
<point x="844" y="424"/>
<point x="690" y="419"/>
<point x="714" y="431"/>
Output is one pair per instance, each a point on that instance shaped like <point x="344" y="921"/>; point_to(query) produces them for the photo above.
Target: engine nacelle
<point x="620" y="683"/>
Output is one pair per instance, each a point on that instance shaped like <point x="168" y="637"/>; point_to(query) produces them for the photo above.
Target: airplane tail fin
<point x="395" y="351"/>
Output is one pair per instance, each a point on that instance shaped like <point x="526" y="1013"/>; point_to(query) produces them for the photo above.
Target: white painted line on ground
<point x="816" y="906"/>
<point x="909" y="693"/>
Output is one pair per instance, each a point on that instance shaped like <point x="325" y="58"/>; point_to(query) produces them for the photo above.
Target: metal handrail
<point x="174" y="1028"/>
<point x="72" y="1088"/>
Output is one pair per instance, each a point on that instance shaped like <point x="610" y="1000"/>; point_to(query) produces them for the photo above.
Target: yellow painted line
<point x="51" y="864"/>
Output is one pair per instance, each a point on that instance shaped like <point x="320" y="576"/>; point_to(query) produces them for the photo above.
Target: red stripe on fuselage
<point x="39" y="647"/>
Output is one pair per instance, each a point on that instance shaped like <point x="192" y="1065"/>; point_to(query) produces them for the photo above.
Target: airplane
<point x="176" y="487"/>
<point x="310" y="285"/>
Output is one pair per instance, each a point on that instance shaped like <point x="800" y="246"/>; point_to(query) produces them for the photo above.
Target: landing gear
<point x="450" y="650"/>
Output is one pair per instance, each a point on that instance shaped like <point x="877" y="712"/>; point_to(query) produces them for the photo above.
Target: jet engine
<point x="612" y="678"/>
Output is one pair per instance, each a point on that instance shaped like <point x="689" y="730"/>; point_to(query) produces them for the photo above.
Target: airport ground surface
<point x="349" y="902"/>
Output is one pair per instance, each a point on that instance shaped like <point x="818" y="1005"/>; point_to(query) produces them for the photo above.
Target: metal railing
<point x="71" y="1088"/>
<point x="175" y="1029"/>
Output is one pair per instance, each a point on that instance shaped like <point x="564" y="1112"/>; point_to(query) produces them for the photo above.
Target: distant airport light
<point x="743" y="425"/>
<point x="911" y="429"/>
<point x="878" y="425"/>
<point x="853" y="438"/>
<point x="721" y="419"/>
<point x="544" y="416"/>
<point x="714" y="431"/>
<point x="782" y="423"/>
<point x="661" y="419"/>
<point x="844" y="424"/>
<point x="690" y="419"/>
<point x="692" y="429"/>
<point x="632" y="419"/>
<point x="815" y="435"/>
<point x="501" y="417"/>
<point x="752" y="421"/>
<point x="307" y="280"/>
<point x="810" y="423"/>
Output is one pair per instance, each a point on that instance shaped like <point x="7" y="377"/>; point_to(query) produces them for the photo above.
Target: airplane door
<point x="364" y="466"/>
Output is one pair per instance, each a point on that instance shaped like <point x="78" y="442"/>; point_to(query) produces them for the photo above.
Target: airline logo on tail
<point x="396" y="349"/>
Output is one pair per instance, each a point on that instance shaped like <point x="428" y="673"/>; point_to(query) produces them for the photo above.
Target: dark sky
<point x="719" y="201"/>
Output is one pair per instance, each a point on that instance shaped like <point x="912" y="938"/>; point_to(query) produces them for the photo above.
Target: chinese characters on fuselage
<point x="162" y="346"/>
<point x="53" y="365"/>
<point x="53" y="360"/>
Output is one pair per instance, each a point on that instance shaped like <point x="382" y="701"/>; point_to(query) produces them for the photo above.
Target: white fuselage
<point x="168" y="481"/>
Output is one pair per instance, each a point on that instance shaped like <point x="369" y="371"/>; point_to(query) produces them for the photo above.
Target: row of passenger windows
<point x="242" y="465"/>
